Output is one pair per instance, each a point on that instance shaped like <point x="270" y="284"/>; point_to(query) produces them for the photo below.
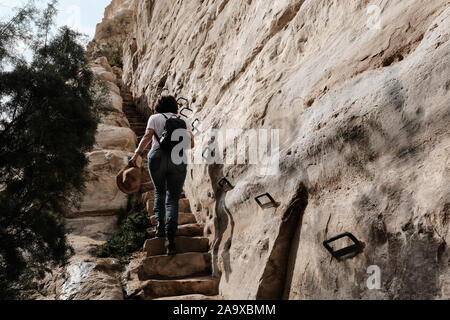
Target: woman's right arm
<point x="145" y="141"/>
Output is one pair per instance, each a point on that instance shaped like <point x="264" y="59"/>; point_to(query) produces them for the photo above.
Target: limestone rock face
<point x="360" y="94"/>
<point x="87" y="277"/>
<point x="115" y="138"/>
<point x="115" y="141"/>
<point x="102" y="196"/>
<point x="112" y="31"/>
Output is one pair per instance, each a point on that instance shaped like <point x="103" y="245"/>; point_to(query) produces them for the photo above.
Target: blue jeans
<point x="168" y="179"/>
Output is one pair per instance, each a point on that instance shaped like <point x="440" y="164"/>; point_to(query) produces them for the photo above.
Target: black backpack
<point x="172" y="124"/>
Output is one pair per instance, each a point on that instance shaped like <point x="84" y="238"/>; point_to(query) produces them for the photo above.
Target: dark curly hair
<point x="167" y="104"/>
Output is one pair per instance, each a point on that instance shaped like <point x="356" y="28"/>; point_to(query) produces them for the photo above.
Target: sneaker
<point x="170" y="247"/>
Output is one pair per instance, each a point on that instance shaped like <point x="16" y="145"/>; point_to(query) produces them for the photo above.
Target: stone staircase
<point x="138" y="124"/>
<point x="188" y="274"/>
<point x="185" y="276"/>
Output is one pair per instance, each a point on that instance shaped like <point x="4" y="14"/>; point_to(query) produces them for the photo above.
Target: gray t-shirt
<point x="157" y="123"/>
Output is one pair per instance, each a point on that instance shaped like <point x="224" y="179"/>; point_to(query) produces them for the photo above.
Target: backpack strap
<point x="156" y="135"/>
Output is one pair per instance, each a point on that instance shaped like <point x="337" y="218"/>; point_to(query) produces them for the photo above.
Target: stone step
<point x="130" y="116"/>
<point x="147" y="196"/>
<point x="191" y="297"/>
<point x="146" y="179"/>
<point x="139" y="127"/>
<point x="155" y="247"/>
<point x="149" y="200"/>
<point x="175" y="267"/>
<point x="131" y="108"/>
<point x="136" y="120"/>
<point x="183" y="218"/>
<point x="167" y="288"/>
<point x="131" y="111"/>
<point x="139" y="132"/>
<point x="149" y="206"/>
<point x="147" y="187"/>
<point x="185" y="205"/>
<point x="187" y="230"/>
<point x="145" y="172"/>
<point x="134" y="114"/>
<point x="137" y="123"/>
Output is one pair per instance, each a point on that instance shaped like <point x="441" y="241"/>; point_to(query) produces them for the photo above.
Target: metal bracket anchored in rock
<point x="350" y="251"/>
<point x="195" y="131"/>
<point x="271" y="204"/>
<point x="207" y="158"/>
<point x="186" y="109"/>
<point x="183" y="99"/>
<point x="225" y="184"/>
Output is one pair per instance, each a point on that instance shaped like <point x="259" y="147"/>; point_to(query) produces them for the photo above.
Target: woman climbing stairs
<point x="188" y="274"/>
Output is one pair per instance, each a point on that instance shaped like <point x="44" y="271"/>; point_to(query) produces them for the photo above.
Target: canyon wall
<point x="111" y="32"/>
<point x="87" y="277"/>
<point x="360" y="94"/>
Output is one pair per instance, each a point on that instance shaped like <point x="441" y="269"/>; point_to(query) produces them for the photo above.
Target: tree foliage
<point x="48" y="120"/>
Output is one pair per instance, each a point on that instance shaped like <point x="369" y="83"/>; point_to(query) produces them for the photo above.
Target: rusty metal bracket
<point x="356" y="248"/>
<point x="195" y="131"/>
<point x="204" y="151"/>
<point x="225" y="184"/>
<point x="183" y="99"/>
<point x="271" y="204"/>
<point x="188" y="109"/>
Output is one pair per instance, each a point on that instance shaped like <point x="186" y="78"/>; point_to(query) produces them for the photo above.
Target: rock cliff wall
<point x="87" y="277"/>
<point x="112" y="31"/>
<point x="360" y="93"/>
